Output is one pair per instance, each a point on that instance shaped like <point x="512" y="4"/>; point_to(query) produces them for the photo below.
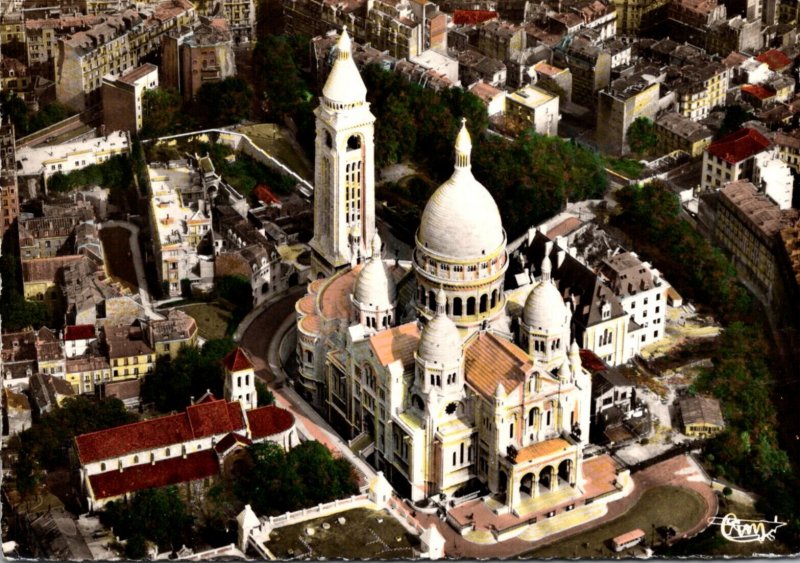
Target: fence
<point x="290" y="518"/>
<point x="676" y="450"/>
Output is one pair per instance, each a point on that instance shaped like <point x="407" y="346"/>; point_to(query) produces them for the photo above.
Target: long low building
<point x="188" y="448"/>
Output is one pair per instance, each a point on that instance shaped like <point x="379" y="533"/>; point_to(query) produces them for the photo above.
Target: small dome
<point x="374" y="285"/>
<point x="461" y="220"/>
<point x="344" y="84"/>
<point x="440" y="341"/>
<point x="545" y="308"/>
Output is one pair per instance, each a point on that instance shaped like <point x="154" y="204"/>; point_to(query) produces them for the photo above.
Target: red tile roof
<point x="79" y="332"/>
<point x="758" y="91"/>
<point x="237" y="360"/>
<point x="266" y="421"/>
<point x="167" y="472"/>
<point x="592" y="362"/>
<point x="265" y="195"/>
<point x="215" y="416"/>
<point x="231" y="440"/>
<point x="775" y="59"/>
<point x="739" y="146"/>
<point x="466" y="17"/>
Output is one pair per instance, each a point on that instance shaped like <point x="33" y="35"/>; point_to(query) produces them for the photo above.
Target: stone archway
<point x="565" y="472"/>
<point x="527" y="484"/>
<point x="546" y="478"/>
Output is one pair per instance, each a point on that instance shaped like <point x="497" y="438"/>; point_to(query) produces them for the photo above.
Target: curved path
<point x="261" y="336"/>
<point x="138" y="263"/>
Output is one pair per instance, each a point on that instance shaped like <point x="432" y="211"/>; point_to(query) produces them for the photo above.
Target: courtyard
<point x="657" y="508"/>
<point x="356" y="534"/>
<point x="212" y="319"/>
<point x="118" y="256"/>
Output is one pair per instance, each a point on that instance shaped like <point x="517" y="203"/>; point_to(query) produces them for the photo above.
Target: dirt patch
<point x="366" y="534"/>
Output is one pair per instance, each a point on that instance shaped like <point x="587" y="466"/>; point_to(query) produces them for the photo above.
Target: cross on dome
<point x="377" y="245"/>
<point x="343" y="46"/>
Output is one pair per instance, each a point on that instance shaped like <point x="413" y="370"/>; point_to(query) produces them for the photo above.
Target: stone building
<point x="534" y="108"/>
<point x="422" y="360"/>
<point x="189" y="449"/>
<point x="122" y="98"/>
<point x="114" y="46"/>
<point x="195" y="56"/>
<point x="677" y="132"/>
<point x="732" y="157"/>
<point x="590" y="67"/>
<point x="9" y="191"/>
<point x="624" y="101"/>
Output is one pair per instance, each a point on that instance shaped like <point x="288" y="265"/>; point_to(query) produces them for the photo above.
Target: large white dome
<point x="440" y="341"/>
<point x="461" y="220"/>
<point x="545" y="308"/>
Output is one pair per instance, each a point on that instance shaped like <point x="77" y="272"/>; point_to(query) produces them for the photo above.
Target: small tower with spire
<point x="240" y="379"/>
<point x="344" y="175"/>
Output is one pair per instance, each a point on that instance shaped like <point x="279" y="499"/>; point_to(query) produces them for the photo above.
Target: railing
<point x="308" y="513"/>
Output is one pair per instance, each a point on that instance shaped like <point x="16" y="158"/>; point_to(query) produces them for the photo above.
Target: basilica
<point x="423" y="363"/>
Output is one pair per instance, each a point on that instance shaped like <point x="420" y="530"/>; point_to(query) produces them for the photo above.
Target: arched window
<point x="102" y="467"/>
<point x="494" y="299"/>
<point x="328" y="139"/>
<point x="431" y="300"/>
<point x="470" y="306"/>
<point x="354" y="142"/>
<point x="136" y="459"/>
<point x="484" y="302"/>
<point x="457" y="307"/>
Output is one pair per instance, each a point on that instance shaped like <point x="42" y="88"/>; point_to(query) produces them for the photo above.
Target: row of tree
<point x="217" y="104"/>
<point x="17" y="312"/>
<point x="651" y="216"/>
<point x="27" y="121"/>
<point x="279" y="481"/>
<point x="748" y="451"/>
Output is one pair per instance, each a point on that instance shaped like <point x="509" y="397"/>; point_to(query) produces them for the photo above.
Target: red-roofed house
<point x="77" y="339"/>
<point x="732" y="158"/>
<point x="472" y="17"/>
<point x="169" y="450"/>
<point x="758" y="95"/>
<point x="266" y="196"/>
<point x="775" y="59"/>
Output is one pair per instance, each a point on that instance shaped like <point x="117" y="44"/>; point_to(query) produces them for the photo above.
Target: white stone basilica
<point x="415" y="361"/>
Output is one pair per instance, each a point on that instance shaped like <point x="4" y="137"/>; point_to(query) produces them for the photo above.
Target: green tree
<point x="223" y="103"/>
<point x="47" y="442"/>
<point x="157" y="515"/>
<point x="265" y="396"/>
<point x="642" y="137"/>
<point x="162" y="113"/>
<point x="193" y="372"/>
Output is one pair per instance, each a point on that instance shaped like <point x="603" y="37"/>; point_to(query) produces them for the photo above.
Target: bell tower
<point x="344" y="174"/>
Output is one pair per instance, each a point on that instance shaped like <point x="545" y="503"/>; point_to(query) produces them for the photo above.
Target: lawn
<point x="117" y="253"/>
<point x="626" y="166"/>
<point x="366" y="534"/>
<point x="662" y="506"/>
<point x="212" y="319"/>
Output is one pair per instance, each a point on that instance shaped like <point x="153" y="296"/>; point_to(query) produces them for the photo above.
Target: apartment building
<point x="642" y="291"/>
<point x="197" y="56"/>
<point x="114" y="46"/>
<point x="677" y="132"/>
<point x="746" y="224"/>
<point x="732" y="158"/>
<point x="403" y="28"/>
<point x="533" y="108"/>
<point x="623" y="102"/>
<point x="590" y="66"/>
<point x="123" y="108"/>
<point x="177" y="229"/>
<point x="9" y="191"/>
